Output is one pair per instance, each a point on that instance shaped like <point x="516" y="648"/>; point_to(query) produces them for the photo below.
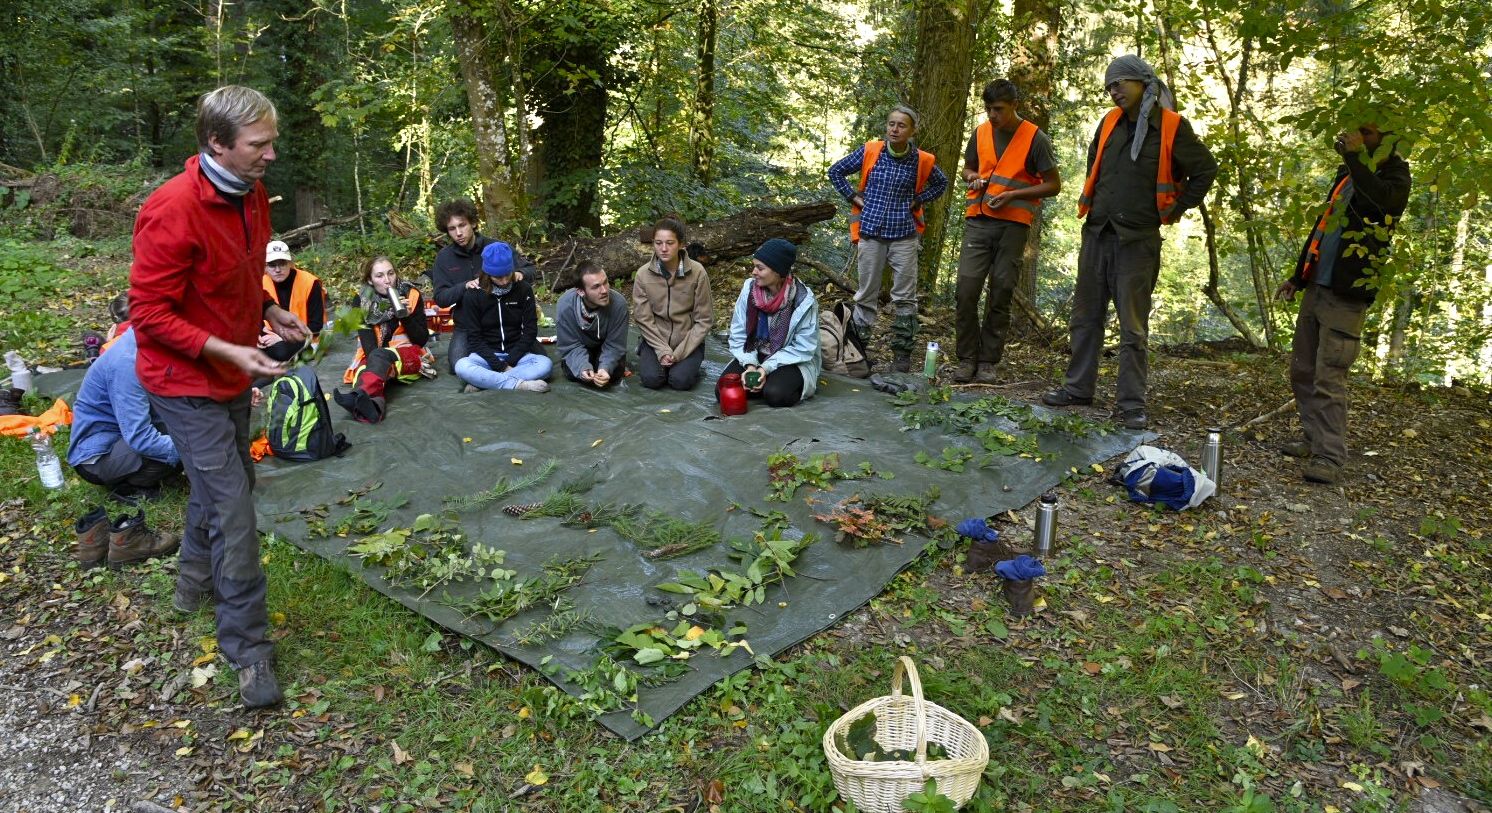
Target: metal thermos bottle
<point x="1212" y="455"/>
<point x="1046" y="524"/>
<point x="401" y="309"/>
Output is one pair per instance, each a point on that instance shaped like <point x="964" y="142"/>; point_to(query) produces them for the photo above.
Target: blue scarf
<point x="225" y="181"/>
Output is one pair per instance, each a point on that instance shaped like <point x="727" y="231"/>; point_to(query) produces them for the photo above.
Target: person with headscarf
<point x="774" y="331"/>
<point x="1145" y="168"/>
<point x="896" y="181"/>
<point x="1338" y="271"/>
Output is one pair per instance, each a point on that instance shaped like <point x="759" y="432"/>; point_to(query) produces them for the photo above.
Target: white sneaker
<point x="534" y="386"/>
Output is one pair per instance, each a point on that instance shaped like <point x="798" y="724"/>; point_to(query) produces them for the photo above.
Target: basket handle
<point x="905" y="665"/>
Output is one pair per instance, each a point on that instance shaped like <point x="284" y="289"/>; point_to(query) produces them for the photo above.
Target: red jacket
<point x="198" y="264"/>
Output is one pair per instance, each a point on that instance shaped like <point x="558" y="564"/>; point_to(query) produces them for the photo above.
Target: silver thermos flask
<point x="1046" y="524"/>
<point x="1212" y="455"/>
<point x="401" y="309"/>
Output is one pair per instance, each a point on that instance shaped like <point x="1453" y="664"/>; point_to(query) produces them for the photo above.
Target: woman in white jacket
<point x="774" y="332"/>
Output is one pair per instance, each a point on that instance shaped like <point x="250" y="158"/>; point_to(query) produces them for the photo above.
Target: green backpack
<point x="300" y="423"/>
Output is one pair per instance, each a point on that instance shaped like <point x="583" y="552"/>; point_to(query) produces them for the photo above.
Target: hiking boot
<point x="1135" y="419"/>
<point x="1063" y="398"/>
<point x="533" y="386"/>
<point x="987" y="375"/>
<point x="93" y="537"/>
<point x="193" y="586"/>
<point x="1296" y="448"/>
<point x="364" y="408"/>
<point x="10" y="401"/>
<point x="965" y="372"/>
<point x="257" y="686"/>
<point x="131" y="540"/>
<point x="902" y="363"/>
<point x="1321" y="470"/>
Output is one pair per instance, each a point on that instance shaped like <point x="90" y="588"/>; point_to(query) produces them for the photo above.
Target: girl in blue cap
<point x="501" y="323"/>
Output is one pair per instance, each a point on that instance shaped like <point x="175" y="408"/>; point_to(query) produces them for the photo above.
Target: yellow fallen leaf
<point x="241" y="734"/>
<point x="1331" y="809"/>
<point x="1353" y="786"/>
<point x="181" y="724"/>
<point x="466" y="440"/>
<point x="208" y="644"/>
<point x="536" y="776"/>
<point x="664" y="411"/>
<point x="74" y="700"/>
<point x="516" y="461"/>
<point x="1234" y="695"/>
<point x="1103" y="599"/>
<point x="465" y="768"/>
<point x="694" y="633"/>
<point x="598" y="442"/>
<point x="277" y="618"/>
<point x="184" y="751"/>
<point x="1409" y="433"/>
<point x="201" y="659"/>
<point x="524" y="713"/>
<point x="1159" y="747"/>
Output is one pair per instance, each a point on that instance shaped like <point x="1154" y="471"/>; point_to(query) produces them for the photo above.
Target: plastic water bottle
<point x="1212" y="455"/>
<point x="930" y="361"/>
<point x="47" y="463"/>
<point x="20" y="374"/>
<point x="1046" y="525"/>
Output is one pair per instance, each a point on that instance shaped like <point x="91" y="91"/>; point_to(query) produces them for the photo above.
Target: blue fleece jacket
<point x="111" y="404"/>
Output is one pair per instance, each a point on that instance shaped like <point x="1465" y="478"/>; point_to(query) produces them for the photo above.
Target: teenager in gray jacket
<point x="590" y="324"/>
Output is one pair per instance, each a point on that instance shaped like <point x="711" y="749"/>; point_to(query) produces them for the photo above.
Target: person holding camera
<point x="391" y="343"/>
<point x="1338" y="270"/>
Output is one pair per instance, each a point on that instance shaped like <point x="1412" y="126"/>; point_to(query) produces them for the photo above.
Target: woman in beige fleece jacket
<point x="671" y="305"/>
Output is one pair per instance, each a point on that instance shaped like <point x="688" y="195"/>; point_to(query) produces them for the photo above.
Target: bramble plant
<point x="786" y="473"/>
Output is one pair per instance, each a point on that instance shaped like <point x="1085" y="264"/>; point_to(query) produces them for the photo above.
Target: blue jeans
<point x="474" y="370"/>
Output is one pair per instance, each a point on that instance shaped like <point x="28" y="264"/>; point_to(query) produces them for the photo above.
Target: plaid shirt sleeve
<point x="937" y="184"/>
<point x="843" y="168"/>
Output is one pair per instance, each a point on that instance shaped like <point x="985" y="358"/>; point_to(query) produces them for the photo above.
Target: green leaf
<point x="997" y="628"/>
<point x="432" y="643"/>
<point x="649" y="655"/>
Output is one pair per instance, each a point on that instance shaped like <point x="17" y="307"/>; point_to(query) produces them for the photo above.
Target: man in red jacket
<point x="196" y="303"/>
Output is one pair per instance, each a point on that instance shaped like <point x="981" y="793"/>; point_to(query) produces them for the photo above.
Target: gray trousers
<point x="875" y="255"/>
<point x="1124" y="273"/>
<point x="1328" y="335"/>
<point x="213" y="439"/>
<point x="988" y="262"/>
<point x="124" y="468"/>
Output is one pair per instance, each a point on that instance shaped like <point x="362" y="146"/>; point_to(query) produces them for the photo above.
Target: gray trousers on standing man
<point x="989" y="261"/>
<point x="1123" y="272"/>
<point x="220" y="544"/>
<point x="1328" y="335"/>
<point x="875" y="255"/>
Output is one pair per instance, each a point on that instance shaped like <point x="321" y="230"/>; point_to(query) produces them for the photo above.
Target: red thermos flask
<point x="732" y="394"/>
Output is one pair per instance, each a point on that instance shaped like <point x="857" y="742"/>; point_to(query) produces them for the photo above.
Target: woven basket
<point x="907" y="723"/>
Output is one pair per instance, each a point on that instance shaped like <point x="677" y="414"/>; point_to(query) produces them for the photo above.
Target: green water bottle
<point x="930" y="362"/>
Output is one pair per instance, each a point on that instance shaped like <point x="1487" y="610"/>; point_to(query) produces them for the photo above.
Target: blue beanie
<point x="778" y="255"/>
<point x="497" y="259"/>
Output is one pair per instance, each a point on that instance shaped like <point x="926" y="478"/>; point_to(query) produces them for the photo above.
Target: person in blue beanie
<point x="774" y="331"/>
<point x="501" y="324"/>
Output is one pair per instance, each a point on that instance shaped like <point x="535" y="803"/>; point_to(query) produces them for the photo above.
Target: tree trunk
<point x="941" y="74"/>
<point x="702" y="125"/>
<point x="1036" y="33"/>
<point x="728" y="239"/>
<point x="480" y="70"/>
<point x="1211" y="288"/>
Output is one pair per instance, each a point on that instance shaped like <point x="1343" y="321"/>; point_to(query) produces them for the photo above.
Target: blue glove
<point x="1019" y="569"/>
<point x="976" y="528"/>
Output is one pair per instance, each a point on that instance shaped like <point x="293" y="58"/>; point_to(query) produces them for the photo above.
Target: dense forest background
<point x="573" y="117"/>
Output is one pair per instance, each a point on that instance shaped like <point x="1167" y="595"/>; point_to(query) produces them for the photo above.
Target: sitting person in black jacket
<point x="501" y="324"/>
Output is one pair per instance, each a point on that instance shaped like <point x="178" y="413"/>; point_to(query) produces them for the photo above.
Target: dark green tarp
<point x="665" y="450"/>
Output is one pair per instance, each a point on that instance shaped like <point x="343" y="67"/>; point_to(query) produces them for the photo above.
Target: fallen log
<point x="723" y="240"/>
<point x="300" y="236"/>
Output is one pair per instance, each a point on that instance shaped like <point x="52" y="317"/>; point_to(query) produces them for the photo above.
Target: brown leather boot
<point x="131" y="540"/>
<point x="93" y="538"/>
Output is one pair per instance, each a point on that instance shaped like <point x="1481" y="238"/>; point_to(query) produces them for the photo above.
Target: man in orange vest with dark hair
<point x="1008" y="169"/>
<point x="1338" y="270"/>
<point x="1145" y="167"/>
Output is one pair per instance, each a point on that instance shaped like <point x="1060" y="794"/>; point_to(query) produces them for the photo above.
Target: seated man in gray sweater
<point x="590" y="324"/>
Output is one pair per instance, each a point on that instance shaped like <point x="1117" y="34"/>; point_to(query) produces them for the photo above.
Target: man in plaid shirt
<point x="896" y="181"/>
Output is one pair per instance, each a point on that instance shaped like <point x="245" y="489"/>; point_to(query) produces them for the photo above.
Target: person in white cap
<point x="294" y="289"/>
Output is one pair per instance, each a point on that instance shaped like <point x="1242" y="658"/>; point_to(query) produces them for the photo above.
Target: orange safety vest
<point x="1004" y="173"/>
<point x="1166" y="188"/>
<point x="399" y="339"/>
<point x="300" y="293"/>
<point x="1313" y="254"/>
<point x="925" y="163"/>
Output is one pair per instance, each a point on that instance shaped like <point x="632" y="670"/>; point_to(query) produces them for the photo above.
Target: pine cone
<point x="520" y="509"/>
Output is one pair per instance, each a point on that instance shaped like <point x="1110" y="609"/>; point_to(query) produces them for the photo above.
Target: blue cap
<point x="497" y="259"/>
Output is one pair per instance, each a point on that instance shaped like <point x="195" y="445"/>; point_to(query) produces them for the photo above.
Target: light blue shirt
<point x="111" y="404"/>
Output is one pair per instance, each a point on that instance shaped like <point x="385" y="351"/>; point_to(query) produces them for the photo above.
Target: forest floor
<point x="1285" y="646"/>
